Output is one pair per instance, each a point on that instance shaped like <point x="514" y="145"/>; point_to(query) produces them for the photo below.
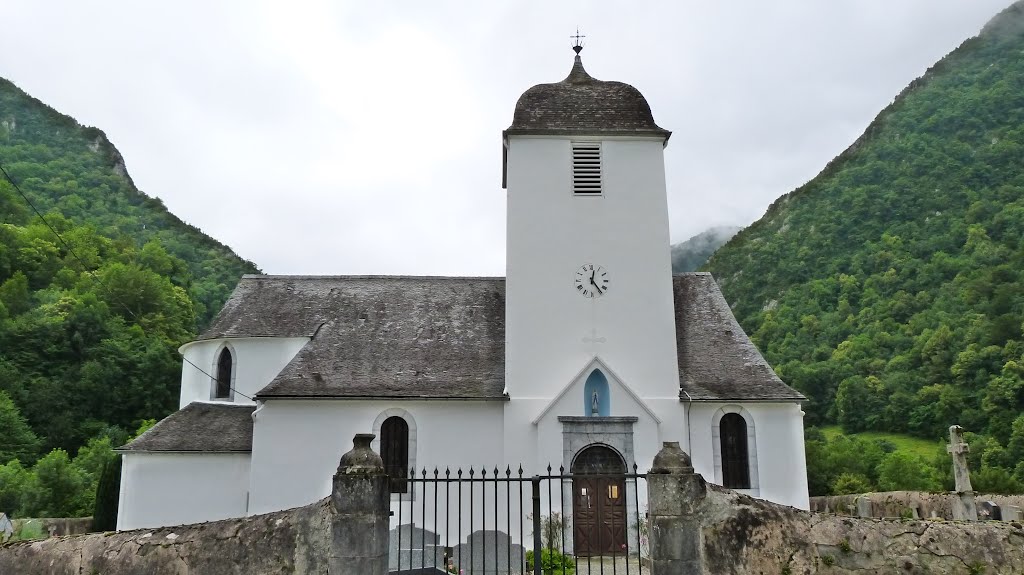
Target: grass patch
<point x="904" y="443"/>
<point x="27" y="529"/>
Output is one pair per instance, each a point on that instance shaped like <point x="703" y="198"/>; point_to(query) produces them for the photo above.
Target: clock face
<point x="591" y="280"/>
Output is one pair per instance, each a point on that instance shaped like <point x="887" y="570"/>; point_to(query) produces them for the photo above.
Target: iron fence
<point x="493" y="522"/>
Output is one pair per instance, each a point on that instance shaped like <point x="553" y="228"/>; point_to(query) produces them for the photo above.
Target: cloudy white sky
<point x="365" y="137"/>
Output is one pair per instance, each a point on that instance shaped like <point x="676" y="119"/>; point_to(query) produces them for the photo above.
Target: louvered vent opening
<point x="586" y="168"/>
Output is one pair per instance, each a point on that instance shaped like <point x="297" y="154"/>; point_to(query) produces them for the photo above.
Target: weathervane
<point x="577" y="45"/>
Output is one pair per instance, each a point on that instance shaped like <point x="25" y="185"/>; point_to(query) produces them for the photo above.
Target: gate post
<point x="361" y="504"/>
<point x="675" y="492"/>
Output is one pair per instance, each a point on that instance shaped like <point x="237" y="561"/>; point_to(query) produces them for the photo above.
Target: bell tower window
<point x="586" y="168"/>
<point x="225" y="372"/>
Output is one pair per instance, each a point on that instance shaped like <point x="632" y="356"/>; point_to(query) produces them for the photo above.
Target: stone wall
<point x="292" y="541"/>
<point x="695" y="529"/>
<point x="743" y="535"/>
<point x="902" y="503"/>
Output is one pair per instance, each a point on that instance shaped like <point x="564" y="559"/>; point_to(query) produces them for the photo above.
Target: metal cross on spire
<point x="577" y="45"/>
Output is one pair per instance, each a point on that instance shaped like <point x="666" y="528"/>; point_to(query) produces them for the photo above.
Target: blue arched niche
<point x="597" y="383"/>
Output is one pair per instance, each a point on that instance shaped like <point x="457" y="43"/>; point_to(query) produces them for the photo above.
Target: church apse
<point x="596" y="397"/>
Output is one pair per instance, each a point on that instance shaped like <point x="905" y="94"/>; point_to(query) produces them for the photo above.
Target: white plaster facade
<point x="554" y="339"/>
<point x="778" y="460"/>
<point x="256" y="361"/>
<point x="551" y="232"/>
<point x="467" y="434"/>
<point x="177" y="488"/>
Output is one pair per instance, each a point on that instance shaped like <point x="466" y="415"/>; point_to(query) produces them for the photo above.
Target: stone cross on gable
<point x="967" y="509"/>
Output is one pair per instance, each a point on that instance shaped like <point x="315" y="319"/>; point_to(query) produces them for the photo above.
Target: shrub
<point x="851" y="483"/>
<point x="552" y="562"/>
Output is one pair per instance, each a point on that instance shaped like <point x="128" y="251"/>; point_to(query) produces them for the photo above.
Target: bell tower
<point x="588" y="255"/>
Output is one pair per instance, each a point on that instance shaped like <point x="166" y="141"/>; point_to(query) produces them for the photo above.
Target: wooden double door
<point x="599" y="502"/>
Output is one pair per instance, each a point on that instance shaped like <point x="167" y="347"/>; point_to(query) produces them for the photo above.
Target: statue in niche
<point x="595" y="404"/>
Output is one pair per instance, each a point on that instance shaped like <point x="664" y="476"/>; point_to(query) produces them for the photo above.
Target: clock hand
<point x="594" y="283"/>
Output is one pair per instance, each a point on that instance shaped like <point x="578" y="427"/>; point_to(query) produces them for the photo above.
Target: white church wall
<point x="298" y="443"/>
<point x="781" y="469"/>
<point x="257" y="360"/>
<point x="551" y="330"/>
<point x="176" y="488"/>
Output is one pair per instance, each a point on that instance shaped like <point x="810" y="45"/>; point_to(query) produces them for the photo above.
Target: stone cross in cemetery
<point x="966" y="509"/>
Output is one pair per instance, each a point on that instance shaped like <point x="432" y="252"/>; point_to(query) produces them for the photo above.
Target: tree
<point x="899" y="471"/>
<point x="848" y="483"/>
<point x="17" y="441"/>
<point x="93" y="457"/>
<point x="57" y="488"/>
<point x="15" y="295"/>
<point x="995" y="480"/>
<point x="104" y="514"/>
<point x="13" y="478"/>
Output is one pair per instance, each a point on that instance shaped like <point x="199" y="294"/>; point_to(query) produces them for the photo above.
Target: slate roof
<point x="581" y="104"/>
<point x="396" y="337"/>
<point x="207" y="427"/>
<point x="717" y="361"/>
<point x="444" y="338"/>
<point x="430" y="337"/>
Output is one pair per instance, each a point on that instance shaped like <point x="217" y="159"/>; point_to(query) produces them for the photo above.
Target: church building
<point x="589" y="350"/>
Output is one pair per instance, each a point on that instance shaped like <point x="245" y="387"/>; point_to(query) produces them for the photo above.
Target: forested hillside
<point x="890" y="288"/>
<point x="690" y="255"/>
<point x="89" y="320"/>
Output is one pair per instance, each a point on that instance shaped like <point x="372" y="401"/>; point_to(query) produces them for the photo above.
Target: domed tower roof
<point x="581" y="104"/>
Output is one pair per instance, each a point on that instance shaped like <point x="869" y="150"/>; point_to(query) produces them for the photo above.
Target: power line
<point x="97" y="279"/>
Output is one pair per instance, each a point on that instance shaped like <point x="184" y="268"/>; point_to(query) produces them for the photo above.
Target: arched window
<point x="735" y="456"/>
<point x="394" y="450"/>
<point x="225" y="363"/>
<point x="596" y="399"/>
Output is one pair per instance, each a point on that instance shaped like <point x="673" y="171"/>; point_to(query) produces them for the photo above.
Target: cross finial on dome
<point x="577" y="45"/>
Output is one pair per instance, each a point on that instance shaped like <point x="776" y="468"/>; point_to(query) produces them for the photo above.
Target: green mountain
<point x="690" y="255"/>
<point x="75" y="171"/>
<point x="890" y="288"/>
<point x="90" y="320"/>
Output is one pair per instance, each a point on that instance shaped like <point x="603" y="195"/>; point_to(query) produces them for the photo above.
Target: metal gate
<point x="504" y="522"/>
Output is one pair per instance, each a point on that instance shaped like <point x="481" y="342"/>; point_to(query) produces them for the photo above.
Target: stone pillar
<point x="362" y="505"/>
<point x="675" y="493"/>
<point x="964" y="507"/>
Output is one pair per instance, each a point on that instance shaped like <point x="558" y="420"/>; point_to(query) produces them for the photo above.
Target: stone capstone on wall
<point x="743" y="535"/>
<point x="291" y="541"/>
<point x="903" y="503"/>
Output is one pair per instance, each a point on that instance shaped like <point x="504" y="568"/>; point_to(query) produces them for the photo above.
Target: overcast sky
<point x="365" y="137"/>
